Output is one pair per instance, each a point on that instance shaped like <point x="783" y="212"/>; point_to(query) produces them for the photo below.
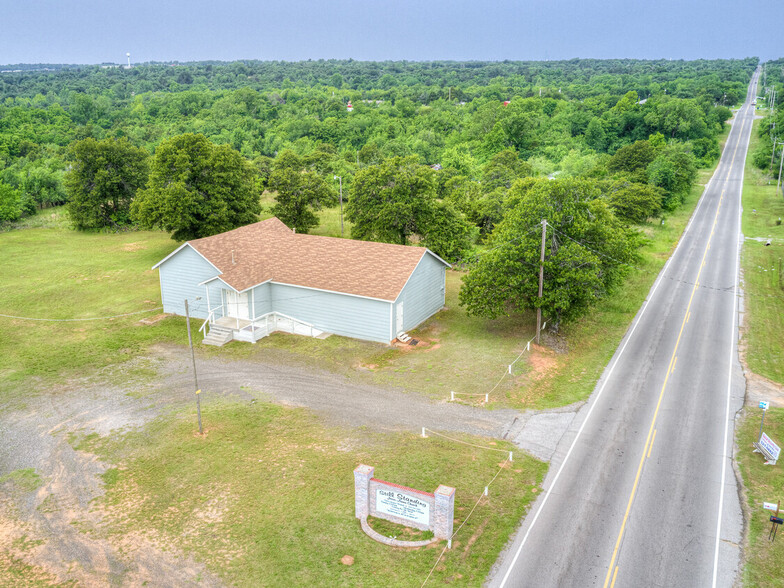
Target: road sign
<point x="764" y="404"/>
<point x="768" y="448"/>
<point x="770" y="506"/>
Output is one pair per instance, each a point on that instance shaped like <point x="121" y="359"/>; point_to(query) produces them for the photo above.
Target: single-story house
<point x="264" y="277"/>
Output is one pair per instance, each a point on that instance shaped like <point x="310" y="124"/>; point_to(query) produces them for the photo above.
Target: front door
<point x="399" y="321"/>
<point x="237" y="305"/>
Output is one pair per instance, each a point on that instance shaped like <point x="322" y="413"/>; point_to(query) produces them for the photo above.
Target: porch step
<point x="403" y="337"/>
<point x="218" y="336"/>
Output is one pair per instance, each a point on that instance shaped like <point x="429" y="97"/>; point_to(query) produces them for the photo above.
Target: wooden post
<point x="193" y="359"/>
<point x="541" y="282"/>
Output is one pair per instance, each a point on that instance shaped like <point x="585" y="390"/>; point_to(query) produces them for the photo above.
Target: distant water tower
<point x="128" y="55"/>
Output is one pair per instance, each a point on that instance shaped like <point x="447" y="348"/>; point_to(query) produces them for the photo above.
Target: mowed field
<point x="58" y="276"/>
<point x="265" y="497"/>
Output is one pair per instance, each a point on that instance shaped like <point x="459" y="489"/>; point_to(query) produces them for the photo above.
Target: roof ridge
<point x="268" y="250"/>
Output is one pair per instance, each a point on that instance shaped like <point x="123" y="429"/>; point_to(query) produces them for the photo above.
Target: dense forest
<point x="438" y="153"/>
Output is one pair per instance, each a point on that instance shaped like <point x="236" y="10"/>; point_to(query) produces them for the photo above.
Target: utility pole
<point x="193" y="358"/>
<point x="778" y="181"/>
<point x="341" y="202"/>
<point x="541" y="282"/>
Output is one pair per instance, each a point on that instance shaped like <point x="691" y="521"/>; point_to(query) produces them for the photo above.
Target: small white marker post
<point x="449" y="544"/>
<point x="423" y="433"/>
<point x="485" y="490"/>
<point x="487" y="398"/>
<point x="510" y="456"/>
<point x="510" y="369"/>
<point x="453" y="395"/>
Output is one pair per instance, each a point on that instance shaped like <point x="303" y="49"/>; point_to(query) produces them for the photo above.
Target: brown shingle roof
<point x="269" y="250"/>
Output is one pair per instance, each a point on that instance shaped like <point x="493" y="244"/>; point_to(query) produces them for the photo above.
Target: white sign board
<point x="770" y="506"/>
<point x="764" y="404"/>
<point x="768" y="446"/>
<point x="402" y="505"/>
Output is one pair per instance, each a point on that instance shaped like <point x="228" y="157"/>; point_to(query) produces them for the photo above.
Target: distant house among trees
<point x="263" y="277"/>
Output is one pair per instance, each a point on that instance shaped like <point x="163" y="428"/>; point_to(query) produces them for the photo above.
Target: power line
<point x="72" y="320"/>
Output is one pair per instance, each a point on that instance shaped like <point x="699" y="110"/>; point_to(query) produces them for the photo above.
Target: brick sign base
<point x="428" y="511"/>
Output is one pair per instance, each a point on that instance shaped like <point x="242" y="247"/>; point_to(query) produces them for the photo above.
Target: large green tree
<point x="197" y="189"/>
<point x="10" y="203"/>
<point x="634" y="202"/>
<point x="674" y="170"/>
<point x="103" y="180"/>
<point x="300" y="192"/>
<point x="391" y="201"/>
<point x="586" y="253"/>
<point x="395" y="200"/>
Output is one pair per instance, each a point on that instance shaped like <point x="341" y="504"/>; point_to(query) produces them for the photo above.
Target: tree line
<point x="455" y="165"/>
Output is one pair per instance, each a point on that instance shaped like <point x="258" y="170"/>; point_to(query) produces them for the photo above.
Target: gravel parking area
<point x="53" y="534"/>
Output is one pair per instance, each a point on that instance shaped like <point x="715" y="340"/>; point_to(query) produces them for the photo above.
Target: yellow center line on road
<point x="650" y="447"/>
<point x="615" y="575"/>
<point x="675" y="361"/>
<point x="652" y="429"/>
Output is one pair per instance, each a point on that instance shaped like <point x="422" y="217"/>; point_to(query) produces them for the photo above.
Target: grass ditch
<point x="763" y="282"/>
<point x="266" y="496"/>
<point x="764" y="558"/>
<point x="762" y="349"/>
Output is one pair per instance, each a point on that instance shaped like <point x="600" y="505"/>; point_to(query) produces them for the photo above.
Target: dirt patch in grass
<point x="151" y="320"/>
<point x="543" y="362"/>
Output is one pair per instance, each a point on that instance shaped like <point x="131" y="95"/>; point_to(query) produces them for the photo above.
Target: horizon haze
<point x="91" y="32"/>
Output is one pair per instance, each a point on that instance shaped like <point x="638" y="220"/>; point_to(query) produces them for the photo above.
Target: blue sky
<point x="90" y="31"/>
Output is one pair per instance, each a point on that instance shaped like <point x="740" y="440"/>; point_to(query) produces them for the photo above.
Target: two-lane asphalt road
<point x="641" y="491"/>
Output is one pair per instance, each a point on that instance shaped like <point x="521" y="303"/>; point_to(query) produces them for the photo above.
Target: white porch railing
<point x="263" y="325"/>
<point x="204" y="328"/>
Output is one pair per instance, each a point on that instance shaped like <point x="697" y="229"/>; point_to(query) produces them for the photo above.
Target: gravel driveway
<point x="52" y="528"/>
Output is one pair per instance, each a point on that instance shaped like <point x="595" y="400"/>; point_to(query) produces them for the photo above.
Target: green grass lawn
<point x="57" y="273"/>
<point x="266" y="497"/>
<point x="764" y="559"/>
<point x="763" y="283"/>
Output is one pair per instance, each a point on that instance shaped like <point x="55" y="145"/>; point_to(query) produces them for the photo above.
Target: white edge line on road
<point x="607" y="379"/>
<point x="724" y="456"/>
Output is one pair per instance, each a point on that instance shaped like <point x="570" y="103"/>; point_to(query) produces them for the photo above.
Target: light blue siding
<point x="217" y="303"/>
<point x="349" y="316"/>
<point x="424" y="294"/>
<point x="180" y="278"/>
<point x="262" y="299"/>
